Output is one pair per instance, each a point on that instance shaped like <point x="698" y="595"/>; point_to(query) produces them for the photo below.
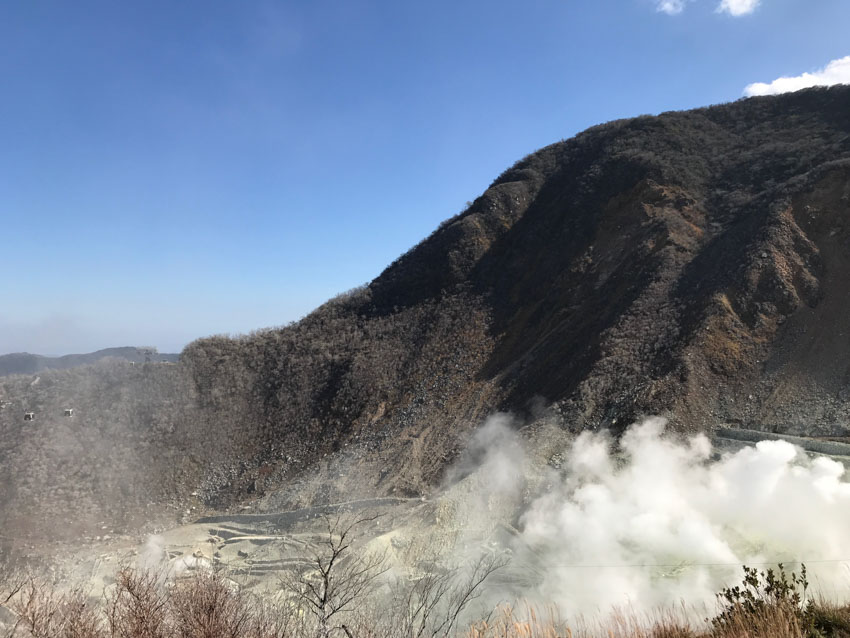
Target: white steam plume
<point x="659" y="522"/>
<point x="153" y="555"/>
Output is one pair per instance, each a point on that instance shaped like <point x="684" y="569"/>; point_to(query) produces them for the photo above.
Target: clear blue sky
<point x="170" y="170"/>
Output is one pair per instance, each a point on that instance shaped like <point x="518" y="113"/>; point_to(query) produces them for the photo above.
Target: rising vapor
<point x="652" y="521"/>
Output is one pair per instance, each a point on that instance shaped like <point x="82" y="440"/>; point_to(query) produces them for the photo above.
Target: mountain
<point x="692" y="264"/>
<point x="26" y="363"/>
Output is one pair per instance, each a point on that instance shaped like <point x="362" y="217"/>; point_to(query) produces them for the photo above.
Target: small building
<point x="69" y="412"/>
<point x="29" y="416"/>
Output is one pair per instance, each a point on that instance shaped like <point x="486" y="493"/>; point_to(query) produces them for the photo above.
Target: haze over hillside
<point x="26" y="363"/>
<point x="691" y="264"/>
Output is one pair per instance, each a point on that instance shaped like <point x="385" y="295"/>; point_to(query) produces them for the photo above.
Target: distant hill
<point x="693" y="264"/>
<point x="26" y="363"/>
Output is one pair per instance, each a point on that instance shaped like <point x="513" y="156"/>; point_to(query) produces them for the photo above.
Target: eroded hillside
<point x="691" y="264"/>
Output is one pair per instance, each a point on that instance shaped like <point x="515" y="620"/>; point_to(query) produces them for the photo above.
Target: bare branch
<point x="336" y="579"/>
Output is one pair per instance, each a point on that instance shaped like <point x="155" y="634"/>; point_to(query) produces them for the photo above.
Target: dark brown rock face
<point x="690" y="264"/>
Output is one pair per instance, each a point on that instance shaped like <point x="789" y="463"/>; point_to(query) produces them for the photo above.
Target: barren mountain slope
<point x="693" y="264"/>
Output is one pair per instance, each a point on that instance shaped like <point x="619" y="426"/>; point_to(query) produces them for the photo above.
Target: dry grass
<point x="770" y="623"/>
<point x="208" y="605"/>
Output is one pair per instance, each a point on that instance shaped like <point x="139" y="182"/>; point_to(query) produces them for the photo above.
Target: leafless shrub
<point x="138" y="606"/>
<point x="208" y="606"/>
<point x="43" y="613"/>
<point x="335" y="580"/>
<point x="37" y="610"/>
<point x="268" y="620"/>
<point x="434" y="604"/>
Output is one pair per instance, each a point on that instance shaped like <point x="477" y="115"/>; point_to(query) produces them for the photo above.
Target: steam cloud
<point x="655" y="521"/>
<point x="651" y="521"/>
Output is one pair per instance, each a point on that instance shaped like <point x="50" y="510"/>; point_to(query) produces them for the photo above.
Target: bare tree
<point x="335" y="580"/>
<point x="432" y="605"/>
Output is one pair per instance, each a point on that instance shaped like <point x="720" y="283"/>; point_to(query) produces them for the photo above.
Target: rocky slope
<point x="692" y="264"/>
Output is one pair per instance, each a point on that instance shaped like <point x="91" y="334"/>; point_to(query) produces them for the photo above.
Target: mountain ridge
<point x="689" y="264"/>
<point x="28" y="363"/>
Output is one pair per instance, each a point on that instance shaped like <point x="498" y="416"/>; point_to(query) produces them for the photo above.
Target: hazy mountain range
<point x="26" y="363"/>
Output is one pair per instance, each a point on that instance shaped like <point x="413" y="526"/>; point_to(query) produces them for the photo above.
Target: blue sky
<point x="170" y="170"/>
